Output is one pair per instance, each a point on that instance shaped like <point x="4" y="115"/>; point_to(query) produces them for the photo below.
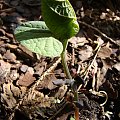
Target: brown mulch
<point x="33" y="87"/>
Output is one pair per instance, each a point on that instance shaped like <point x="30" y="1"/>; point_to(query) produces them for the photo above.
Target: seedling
<point x="50" y="38"/>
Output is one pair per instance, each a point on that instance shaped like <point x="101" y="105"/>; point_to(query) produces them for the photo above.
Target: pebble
<point x="24" y="68"/>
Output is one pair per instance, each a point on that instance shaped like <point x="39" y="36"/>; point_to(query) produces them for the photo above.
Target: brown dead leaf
<point x="78" y="41"/>
<point x="105" y="52"/>
<point x="47" y="83"/>
<point x="85" y="53"/>
<point x="9" y="35"/>
<point x="9" y="56"/>
<point x="38" y="98"/>
<point x="24" y="52"/>
<point x="61" y="92"/>
<point x="11" y="46"/>
<point x="107" y="63"/>
<point x="30" y="70"/>
<point x="40" y="67"/>
<point x="26" y="80"/>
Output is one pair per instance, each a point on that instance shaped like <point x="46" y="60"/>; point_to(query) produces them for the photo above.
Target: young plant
<point x="61" y="19"/>
<point x="50" y="38"/>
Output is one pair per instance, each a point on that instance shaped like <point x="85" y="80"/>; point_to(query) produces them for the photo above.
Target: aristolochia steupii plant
<point x="50" y="38"/>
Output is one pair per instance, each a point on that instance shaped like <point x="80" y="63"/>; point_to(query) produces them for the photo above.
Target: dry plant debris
<point x="27" y="80"/>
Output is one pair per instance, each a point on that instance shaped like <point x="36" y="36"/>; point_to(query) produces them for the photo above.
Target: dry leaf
<point x="4" y="69"/>
<point x="47" y="83"/>
<point x="36" y="97"/>
<point x="100" y="77"/>
<point x="10" y="93"/>
<point x="61" y="92"/>
<point x="78" y="41"/>
<point x="9" y="56"/>
<point x="105" y="52"/>
<point x="85" y="53"/>
<point x="27" y="79"/>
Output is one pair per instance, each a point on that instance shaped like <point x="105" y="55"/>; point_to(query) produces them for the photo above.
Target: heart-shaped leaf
<point x="36" y="36"/>
<point x="60" y="18"/>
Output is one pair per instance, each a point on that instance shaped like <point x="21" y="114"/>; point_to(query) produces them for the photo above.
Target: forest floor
<point x="33" y="87"/>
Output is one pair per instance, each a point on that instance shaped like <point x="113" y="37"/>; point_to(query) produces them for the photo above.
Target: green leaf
<point x="36" y="36"/>
<point x="71" y="118"/>
<point x="60" y="18"/>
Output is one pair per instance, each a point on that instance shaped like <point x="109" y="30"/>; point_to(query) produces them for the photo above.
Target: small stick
<point x="104" y="35"/>
<point x="87" y="71"/>
<point x="91" y="64"/>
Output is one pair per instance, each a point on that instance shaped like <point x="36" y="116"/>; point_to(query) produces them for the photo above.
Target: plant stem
<point x="66" y="70"/>
<point x="63" y="58"/>
<point x="76" y="113"/>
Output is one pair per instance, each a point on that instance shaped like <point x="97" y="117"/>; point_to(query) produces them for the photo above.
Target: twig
<point x="89" y="67"/>
<point x="104" y="35"/>
<point x="8" y="10"/>
<point x="34" y="86"/>
<point x="91" y="64"/>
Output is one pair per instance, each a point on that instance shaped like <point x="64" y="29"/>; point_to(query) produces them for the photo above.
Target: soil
<point x="34" y="87"/>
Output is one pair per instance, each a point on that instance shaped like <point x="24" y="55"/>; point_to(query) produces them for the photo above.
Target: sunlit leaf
<point x="60" y="18"/>
<point x="35" y="36"/>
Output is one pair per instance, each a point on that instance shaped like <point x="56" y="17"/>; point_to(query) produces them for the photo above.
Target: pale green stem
<point x="67" y="72"/>
<point x="63" y="58"/>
